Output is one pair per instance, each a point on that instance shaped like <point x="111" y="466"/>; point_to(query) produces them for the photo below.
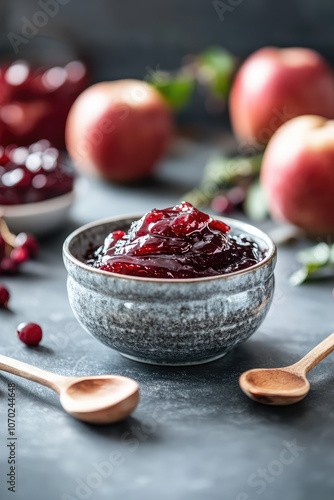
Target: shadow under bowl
<point x="168" y="321"/>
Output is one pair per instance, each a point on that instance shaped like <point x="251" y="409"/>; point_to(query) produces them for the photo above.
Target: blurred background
<point x="126" y="39"/>
<point x="195" y="143"/>
<point x="227" y="94"/>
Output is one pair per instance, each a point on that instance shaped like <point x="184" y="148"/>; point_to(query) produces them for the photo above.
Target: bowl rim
<point x="252" y="230"/>
<point x="38" y="207"/>
<point x="45" y="206"/>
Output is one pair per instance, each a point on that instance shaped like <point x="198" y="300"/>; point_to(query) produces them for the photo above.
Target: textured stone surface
<point x="194" y="434"/>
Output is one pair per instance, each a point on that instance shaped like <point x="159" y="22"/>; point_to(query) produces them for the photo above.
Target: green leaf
<point x="255" y="205"/>
<point x="318" y="255"/>
<point x="197" y="198"/>
<point x="222" y="173"/>
<point x="299" y="276"/>
<point x="175" y="88"/>
<point x="216" y="68"/>
<point x="313" y="260"/>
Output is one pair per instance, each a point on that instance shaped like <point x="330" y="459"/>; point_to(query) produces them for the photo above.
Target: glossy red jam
<point x="178" y="242"/>
<point x="32" y="174"/>
<point x="34" y="102"/>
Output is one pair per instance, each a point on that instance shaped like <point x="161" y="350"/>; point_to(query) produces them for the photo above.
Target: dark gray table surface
<point x="194" y="434"/>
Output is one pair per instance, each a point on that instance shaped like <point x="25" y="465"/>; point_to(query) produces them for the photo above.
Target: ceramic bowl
<point x="42" y="217"/>
<point x="38" y="218"/>
<point x="168" y="321"/>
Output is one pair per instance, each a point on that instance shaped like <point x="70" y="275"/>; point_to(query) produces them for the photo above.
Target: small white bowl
<point x="41" y="217"/>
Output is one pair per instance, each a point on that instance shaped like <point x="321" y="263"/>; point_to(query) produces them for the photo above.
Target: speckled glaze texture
<point x="175" y="322"/>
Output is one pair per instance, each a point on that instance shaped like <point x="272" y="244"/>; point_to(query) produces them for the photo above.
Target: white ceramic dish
<point x="39" y="218"/>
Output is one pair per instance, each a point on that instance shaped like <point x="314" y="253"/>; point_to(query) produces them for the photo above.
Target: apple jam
<point x="178" y="242"/>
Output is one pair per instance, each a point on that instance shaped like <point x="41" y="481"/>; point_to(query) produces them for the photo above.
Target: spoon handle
<point x="30" y="372"/>
<point x="316" y="355"/>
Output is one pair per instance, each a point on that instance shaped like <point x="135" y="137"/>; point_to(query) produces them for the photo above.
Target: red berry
<point x="19" y="254"/>
<point x="8" y="266"/>
<point x="4" y="296"/>
<point x="117" y="235"/>
<point x="236" y="195"/>
<point x="222" y="205"/>
<point x="153" y="216"/>
<point x="29" y="242"/>
<point x="3" y="157"/>
<point x="219" y="226"/>
<point x="29" y="333"/>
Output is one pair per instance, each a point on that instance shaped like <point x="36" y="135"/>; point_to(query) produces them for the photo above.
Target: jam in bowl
<point x="34" y="173"/>
<point x="159" y="288"/>
<point x="37" y="187"/>
<point x="177" y="242"/>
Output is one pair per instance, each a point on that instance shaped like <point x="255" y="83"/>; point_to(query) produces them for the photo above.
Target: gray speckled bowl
<point x="167" y="321"/>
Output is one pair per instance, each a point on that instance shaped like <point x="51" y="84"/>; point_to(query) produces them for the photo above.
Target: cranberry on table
<point x="19" y="255"/>
<point x="29" y="333"/>
<point x="28" y="241"/>
<point x="8" y="266"/>
<point x="4" y="296"/>
<point x="15" y="250"/>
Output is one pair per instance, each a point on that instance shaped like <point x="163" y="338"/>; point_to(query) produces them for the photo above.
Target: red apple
<point x="274" y="85"/>
<point x="298" y="174"/>
<point x="119" y="130"/>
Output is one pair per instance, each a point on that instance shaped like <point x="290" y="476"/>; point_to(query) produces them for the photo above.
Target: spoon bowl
<point x="266" y="386"/>
<point x="100" y="399"/>
<point x="284" y="386"/>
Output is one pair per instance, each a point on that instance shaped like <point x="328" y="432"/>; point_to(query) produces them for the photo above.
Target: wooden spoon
<point x="288" y="385"/>
<point x="98" y="400"/>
